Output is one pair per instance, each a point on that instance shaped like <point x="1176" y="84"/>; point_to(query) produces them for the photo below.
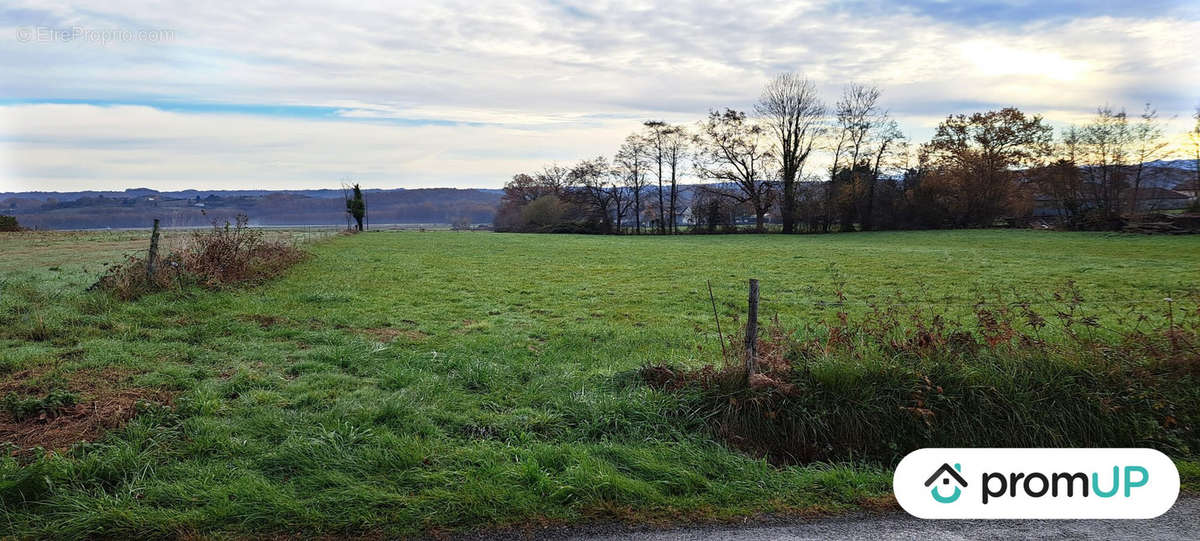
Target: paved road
<point x="1181" y="522"/>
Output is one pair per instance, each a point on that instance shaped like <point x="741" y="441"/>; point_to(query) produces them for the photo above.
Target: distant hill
<point x="138" y="207"/>
<point x="1186" y="165"/>
<point x="1168" y="174"/>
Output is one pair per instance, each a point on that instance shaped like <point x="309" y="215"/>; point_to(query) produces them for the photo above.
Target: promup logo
<point x="946" y="474"/>
<point x="1036" y="483"/>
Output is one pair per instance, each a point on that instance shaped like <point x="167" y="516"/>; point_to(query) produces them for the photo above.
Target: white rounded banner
<point x="1036" y="483"/>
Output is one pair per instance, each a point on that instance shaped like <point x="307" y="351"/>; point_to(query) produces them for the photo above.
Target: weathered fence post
<point x="752" y="329"/>
<point x="150" y="259"/>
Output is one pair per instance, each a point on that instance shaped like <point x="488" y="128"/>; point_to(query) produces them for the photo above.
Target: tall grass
<point x="897" y="378"/>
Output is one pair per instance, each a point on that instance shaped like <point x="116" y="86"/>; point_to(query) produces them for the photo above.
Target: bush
<point x="9" y="223"/>
<point x="896" y="380"/>
<point x="214" y="258"/>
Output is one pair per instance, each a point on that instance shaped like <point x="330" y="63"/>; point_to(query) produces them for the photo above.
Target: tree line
<point x="735" y="170"/>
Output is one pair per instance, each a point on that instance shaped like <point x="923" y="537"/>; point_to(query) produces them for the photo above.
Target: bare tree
<point x="590" y="180"/>
<point x="622" y="198"/>
<point x="632" y="161"/>
<point x="854" y="117"/>
<point x="735" y="150"/>
<point x="1148" y="145"/>
<point x="888" y="146"/>
<point x="1194" y="142"/>
<point x="555" y="177"/>
<point x="658" y="136"/>
<point x="1104" y="153"/>
<point x="675" y="150"/>
<point x="523" y="189"/>
<point x="1062" y="180"/>
<point x="793" y="112"/>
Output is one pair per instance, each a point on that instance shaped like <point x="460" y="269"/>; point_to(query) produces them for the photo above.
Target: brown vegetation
<point x="897" y="378"/>
<point x="104" y="401"/>
<point x="213" y="258"/>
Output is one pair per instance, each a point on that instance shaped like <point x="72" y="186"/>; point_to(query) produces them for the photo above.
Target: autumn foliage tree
<point x="985" y="169"/>
<point x="980" y="157"/>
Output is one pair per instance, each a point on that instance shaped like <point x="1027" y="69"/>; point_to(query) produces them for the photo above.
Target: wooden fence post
<point x="153" y="256"/>
<point x="752" y="329"/>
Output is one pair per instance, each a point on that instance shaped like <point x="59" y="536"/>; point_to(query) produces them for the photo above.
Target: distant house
<point x="686" y="216"/>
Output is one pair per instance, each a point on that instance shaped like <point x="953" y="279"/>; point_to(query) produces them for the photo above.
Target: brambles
<point x="898" y="378"/>
<point x="212" y="258"/>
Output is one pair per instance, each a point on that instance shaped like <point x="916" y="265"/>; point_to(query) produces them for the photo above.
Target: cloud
<point x="73" y="147"/>
<point x="482" y="89"/>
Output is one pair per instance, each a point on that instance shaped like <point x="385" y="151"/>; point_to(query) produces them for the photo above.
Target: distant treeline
<point x="987" y="169"/>
<point x="137" y="208"/>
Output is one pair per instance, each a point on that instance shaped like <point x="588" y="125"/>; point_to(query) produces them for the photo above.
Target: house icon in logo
<point x="946" y="473"/>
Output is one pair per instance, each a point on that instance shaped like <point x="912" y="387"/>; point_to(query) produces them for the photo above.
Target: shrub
<point x="9" y="223"/>
<point x="230" y="255"/>
<point x="545" y="211"/>
<point x="222" y="256"/>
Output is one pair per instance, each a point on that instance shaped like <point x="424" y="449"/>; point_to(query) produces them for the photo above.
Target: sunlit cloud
<point x="992" y="59"/>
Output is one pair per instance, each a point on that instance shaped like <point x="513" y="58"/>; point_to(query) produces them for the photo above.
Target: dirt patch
<point x="106" y="402"/>
<point x="880" y="504"/>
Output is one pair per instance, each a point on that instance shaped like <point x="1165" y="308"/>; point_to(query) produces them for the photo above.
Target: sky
<point x="297" y="94"/>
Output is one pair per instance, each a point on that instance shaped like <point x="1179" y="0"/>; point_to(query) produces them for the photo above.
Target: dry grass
<point x="214" y="258"/>
<point x="105" y="401"/>
<point x="896" y="378"/>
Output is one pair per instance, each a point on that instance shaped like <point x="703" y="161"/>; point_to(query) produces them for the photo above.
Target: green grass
<point x="401" y="382"/>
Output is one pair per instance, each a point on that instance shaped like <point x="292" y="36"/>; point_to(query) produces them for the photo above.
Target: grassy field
<point x="404" y="382"/>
